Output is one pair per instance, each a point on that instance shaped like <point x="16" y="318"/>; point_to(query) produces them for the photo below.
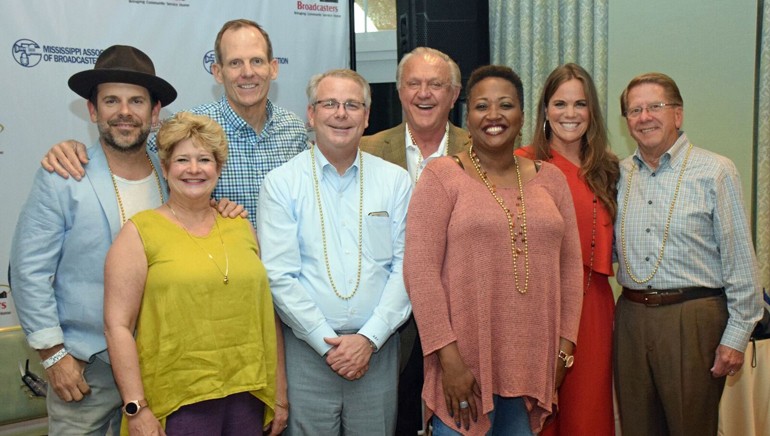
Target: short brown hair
<point x="235" y="25"/>
<point x="666" y="82"/>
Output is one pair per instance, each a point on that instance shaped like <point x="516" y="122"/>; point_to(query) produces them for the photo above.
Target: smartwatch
<point x="568" y="359"/>
<point x="133" y="407"/>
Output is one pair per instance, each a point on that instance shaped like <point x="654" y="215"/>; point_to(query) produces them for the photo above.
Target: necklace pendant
<point x="226" y="280"/>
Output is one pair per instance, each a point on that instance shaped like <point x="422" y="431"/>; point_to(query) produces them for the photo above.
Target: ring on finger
<point x="464" y="404"/>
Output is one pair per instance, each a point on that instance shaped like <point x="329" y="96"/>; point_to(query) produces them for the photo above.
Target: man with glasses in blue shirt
<point x="688" y="270"/>
<point x="331" y="223"/>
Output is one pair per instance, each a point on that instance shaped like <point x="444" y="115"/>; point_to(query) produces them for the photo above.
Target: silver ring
<point x="464" y="404"/>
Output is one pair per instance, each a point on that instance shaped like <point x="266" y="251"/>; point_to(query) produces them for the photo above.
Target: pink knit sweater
<point x="459" y="276"/>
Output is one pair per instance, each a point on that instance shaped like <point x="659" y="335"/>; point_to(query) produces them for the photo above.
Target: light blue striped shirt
<point x="709" y="243"/>
<point x="289" y="230"/>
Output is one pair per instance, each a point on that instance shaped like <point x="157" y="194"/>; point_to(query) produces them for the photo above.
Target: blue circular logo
<point x="27" y="53"/>
<point x="208" y="60"/>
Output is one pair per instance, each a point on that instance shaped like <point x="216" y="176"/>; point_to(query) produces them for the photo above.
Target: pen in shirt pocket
<point x="380" y="213"/>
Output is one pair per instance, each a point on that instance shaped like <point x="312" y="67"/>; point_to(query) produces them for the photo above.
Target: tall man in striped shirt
<point x="687" y="266"/>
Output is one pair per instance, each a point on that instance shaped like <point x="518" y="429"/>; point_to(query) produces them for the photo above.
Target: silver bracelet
<point x="51" y="361"/>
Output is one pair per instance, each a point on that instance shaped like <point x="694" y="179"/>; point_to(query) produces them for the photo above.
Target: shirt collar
<point x="238" y="123"/>
<point x="323" y="163"/>
<point x="671" y="157"/>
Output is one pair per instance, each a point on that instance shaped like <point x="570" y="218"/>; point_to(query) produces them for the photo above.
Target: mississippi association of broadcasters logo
<point x="29" y="53"/>
<point x="208" y="60"/>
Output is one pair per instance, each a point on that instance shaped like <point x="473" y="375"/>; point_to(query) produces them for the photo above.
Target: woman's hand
<point x="144" y="424"/>
<point x="280" y="420"/>
<point x="460" y="387"/>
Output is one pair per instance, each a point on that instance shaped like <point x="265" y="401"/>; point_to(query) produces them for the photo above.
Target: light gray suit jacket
<point x="57" y="257"/>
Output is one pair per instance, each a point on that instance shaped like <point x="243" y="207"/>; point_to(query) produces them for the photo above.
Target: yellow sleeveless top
<point x="197" y="337"/>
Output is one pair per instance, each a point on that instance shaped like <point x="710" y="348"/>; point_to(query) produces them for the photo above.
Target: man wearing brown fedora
<point x="65" y="229"/>
<point x="261" y="135"/>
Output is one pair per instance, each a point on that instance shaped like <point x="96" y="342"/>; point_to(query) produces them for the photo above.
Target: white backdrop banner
<point x="44" y="42"/>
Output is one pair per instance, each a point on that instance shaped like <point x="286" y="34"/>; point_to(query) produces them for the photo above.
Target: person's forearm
<point x="125" y="363"/>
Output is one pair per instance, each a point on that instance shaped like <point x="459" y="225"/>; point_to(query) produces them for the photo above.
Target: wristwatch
<point x="568" y="359"/>
<point x="133" y="407"/>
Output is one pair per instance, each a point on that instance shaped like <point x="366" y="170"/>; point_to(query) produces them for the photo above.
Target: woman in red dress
<point x="573" y="137"/>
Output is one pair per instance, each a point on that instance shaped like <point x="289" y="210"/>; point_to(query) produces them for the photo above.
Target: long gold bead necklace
<point x="665" y="231"/>
<point x="522" y="218"/>
<point x="323" y="227"/>
<point x="123" y="216"/>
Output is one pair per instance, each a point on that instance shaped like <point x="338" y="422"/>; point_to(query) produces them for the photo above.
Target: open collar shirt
<point x="292" y="242"/>
<point x="251" y="154"/>
<point x="708" y="245"/>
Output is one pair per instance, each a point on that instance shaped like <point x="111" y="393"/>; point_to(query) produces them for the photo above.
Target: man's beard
<point x="106" y="135"/>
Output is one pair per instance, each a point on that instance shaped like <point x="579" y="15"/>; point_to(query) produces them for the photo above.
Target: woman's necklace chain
<point x="226" y="272"/>
<point x="665" y="231"/>
<point x="360" y="222"/>
<point x="521" y="216"/>
<point x="123" y="217"/>
<point x="445" y="140"/>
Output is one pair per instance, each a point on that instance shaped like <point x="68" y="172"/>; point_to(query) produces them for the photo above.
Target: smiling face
<point x="245" y="70"/>
<point x="340" y="127"/>
<point x="123" y="115"/>
<point x="655" y="133"/>
<point x="192" y="171"/>
<point x="495" y="115"/>
<point x="568" y="114"/>
<point x="426" y="92"/>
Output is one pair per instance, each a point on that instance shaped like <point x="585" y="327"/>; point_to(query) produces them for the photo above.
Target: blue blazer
<point x="57" y="257"/>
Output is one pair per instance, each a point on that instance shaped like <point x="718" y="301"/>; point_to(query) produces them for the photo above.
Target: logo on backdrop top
<point x="27" y="53"/>
<point x="208" y="60"/>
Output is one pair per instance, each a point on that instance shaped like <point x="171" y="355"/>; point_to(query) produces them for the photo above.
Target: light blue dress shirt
<point x="709" y="243"/>
<point x="289" y="230"/>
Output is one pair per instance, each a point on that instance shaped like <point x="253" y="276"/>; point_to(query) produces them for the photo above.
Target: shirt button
<point x="647" y="258"/>
<point x="653" y="174"/>
<point x="647" y="230"/>
<point x="649" y="201"/>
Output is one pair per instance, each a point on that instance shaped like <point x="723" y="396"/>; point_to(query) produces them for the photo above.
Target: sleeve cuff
<point x="316" y="338"/>
<point x="735" y="338"/>
<point x="45" y="338"/>
<point x="376" y="330"/>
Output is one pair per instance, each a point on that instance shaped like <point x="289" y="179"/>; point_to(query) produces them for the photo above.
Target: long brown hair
<point x="599" y="165"/>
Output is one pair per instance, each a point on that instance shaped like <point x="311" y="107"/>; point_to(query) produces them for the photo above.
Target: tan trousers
<point x="662" y="358"/>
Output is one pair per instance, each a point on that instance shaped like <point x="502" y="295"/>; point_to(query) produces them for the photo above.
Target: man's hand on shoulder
<point x="67" y="159"/>
<point x="229" y="209"/>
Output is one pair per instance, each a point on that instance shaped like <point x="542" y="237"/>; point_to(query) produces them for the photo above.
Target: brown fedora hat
<point x="123" y="64"/>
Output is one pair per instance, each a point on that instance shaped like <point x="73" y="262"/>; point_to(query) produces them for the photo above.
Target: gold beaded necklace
<point x="593" y="246"/>
<point x="521" y="216"/>
<point x="665" y="231"/>
<point x="418" y="169"/>
<point x="117" y="191"/>
<point x="323" y="227"/>
<point x="226" y="272"/>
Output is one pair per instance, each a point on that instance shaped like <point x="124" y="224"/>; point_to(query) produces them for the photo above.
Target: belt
<point x="663" y="297"/>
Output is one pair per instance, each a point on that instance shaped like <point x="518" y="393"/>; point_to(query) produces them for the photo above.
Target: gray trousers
<point x="324" y="403"/>
<point x="98" y="413"/>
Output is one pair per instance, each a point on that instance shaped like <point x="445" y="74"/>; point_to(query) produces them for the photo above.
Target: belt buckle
<point x="647" y="295"/>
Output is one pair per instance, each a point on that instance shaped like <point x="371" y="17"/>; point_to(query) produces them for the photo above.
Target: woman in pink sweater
<point x="493" y="268"/>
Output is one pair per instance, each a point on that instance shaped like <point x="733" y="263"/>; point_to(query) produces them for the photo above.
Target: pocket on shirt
<point x="378" y="237"/>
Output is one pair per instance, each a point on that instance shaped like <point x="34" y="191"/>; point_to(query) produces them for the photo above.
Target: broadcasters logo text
<point x="316" y="7"/>
<point x="29" y="53"/>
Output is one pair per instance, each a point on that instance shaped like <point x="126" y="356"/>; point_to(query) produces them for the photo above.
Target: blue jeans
<point x="509" y="418"/>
